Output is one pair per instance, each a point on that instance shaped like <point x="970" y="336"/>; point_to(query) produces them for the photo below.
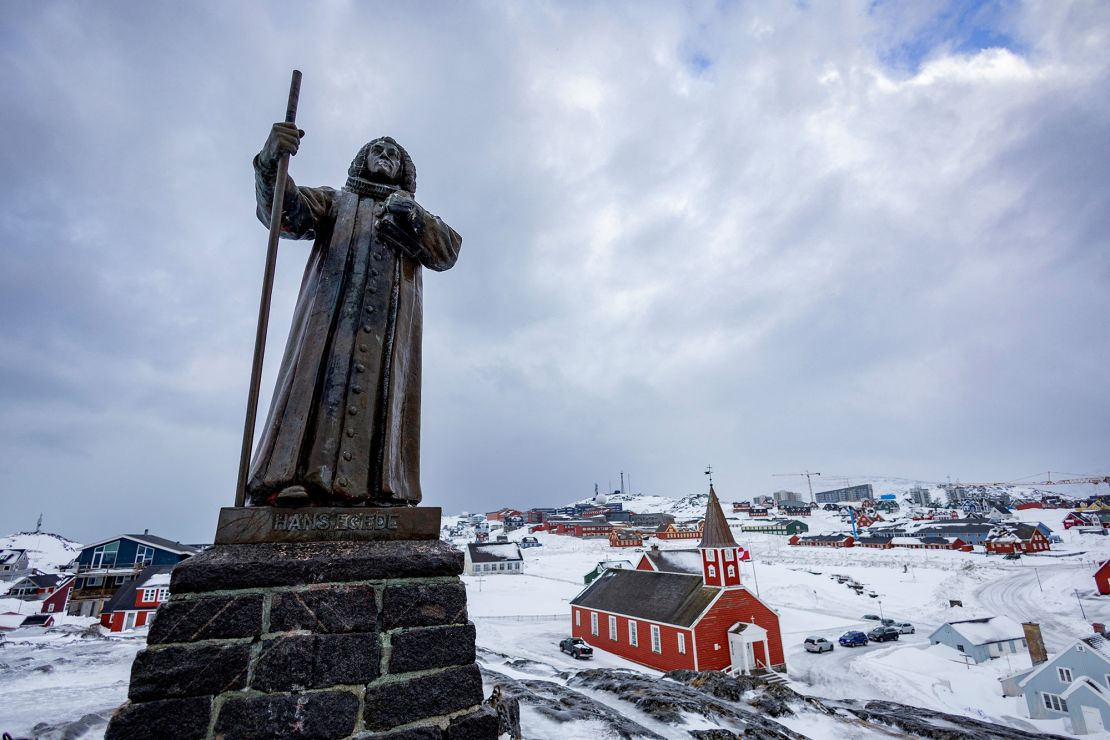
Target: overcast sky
<point x="864" y="238"/>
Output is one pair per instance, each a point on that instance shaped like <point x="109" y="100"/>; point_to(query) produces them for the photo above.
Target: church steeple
<point x="719" y="552"/>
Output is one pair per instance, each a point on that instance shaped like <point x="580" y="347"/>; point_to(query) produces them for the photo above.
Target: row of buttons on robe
<point x="360" y="368"/>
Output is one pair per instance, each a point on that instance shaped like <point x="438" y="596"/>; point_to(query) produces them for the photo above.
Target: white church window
<point x="712" y="571"/>
<point x="732" y="571"/>
<point x="633" y="636"/>
<point x="711" y="555"/>
<point x="682" y="643"/>
<point x="656" y="641"/>
<point x="612" y="628"/>
<point x="593" y="623"/>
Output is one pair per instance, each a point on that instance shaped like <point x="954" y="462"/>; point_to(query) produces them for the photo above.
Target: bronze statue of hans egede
<point x="344" y="420"/>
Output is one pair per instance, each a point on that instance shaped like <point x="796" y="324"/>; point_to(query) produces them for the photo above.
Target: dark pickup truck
<point x="576" y="647"/>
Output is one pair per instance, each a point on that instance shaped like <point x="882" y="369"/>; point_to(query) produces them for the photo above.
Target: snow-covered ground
<point x="62" y="676"/>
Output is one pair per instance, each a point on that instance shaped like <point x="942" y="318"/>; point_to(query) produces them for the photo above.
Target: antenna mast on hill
<point x="38" y="527"/>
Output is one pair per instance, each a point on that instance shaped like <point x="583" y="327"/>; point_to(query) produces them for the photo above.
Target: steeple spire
<point x="716" y="532"/>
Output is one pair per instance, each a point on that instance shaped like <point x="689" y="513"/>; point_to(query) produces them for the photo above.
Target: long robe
<point x="344" y="420"/>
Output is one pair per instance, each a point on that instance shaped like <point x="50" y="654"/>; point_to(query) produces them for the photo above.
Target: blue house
<point x="982" y="638"/>
<point x="1073" y="684"/>
<point x="104" y="566"/>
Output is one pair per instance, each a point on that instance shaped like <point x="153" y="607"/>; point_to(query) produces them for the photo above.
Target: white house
<point x="492" y="557"/>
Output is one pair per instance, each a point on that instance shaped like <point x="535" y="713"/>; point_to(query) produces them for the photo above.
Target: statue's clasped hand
<point x="402" y="224"/>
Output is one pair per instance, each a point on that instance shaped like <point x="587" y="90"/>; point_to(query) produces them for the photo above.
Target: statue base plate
<point x="245" y="525"/>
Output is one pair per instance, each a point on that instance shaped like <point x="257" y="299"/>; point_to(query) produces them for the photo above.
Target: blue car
<point x="853" y="639"/>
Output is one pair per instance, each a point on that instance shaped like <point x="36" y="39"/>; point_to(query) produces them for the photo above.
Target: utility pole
<point x="1081" y="610"/>
<point x="622" y="482"/>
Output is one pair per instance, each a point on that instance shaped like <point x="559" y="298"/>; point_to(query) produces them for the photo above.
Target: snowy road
<point x="1046" y="595"/>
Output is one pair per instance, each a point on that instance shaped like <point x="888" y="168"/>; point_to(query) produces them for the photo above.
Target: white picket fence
<point x="524" y="618"/>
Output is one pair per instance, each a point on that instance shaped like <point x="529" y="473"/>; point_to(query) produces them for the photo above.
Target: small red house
<point x="667" y="620"/>
<point x="625" y="538"/>
<point x="1102" y="578"/>
<point x="1016" y="538"/>
<point x="1075" y="519"/>
<point x="134" y="604"/>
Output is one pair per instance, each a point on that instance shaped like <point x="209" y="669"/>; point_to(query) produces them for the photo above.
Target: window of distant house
<point x="712" y="571"/>
<point x="656" y="641"/>
<point x="960" y="648"/>
<point x="149" y="594"/>
<point x="633" y="637"/>
<point x="729" y="554"/>
<point x="1051" y="701"/>
<point x="1065" y="674"/>
<point x="144" y="555"/>
<point x="577" y="617"/>
<point x="682" y="643"/>
<point x="612" y="628"/>
<point x="732" y="571"/>
<point x="593" y="622"/>
<point x="711" y="555"/>
<point x="49" y="607"/>
<point x="105" y="555"/>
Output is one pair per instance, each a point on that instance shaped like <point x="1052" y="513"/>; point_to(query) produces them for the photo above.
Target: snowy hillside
<point x="47" y="552"/>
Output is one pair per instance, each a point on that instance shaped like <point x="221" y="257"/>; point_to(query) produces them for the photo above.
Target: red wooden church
<point x="668" y="620"/>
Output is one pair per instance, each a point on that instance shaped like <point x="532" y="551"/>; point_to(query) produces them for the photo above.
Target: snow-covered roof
<point x="986" y="630"/>
<point x="10" y="556"/>
<point x="493" y="552"/>
<point x="675" y="561"/>
<point x="158" y="579"/>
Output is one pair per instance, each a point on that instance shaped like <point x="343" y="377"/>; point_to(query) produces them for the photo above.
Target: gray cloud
<point x="771" y="238"/>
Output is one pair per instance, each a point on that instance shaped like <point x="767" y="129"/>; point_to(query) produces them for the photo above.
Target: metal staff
<point x="264" y="303"/>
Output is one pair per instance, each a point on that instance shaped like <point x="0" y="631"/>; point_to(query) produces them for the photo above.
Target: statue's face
<point x="383" y="162"/>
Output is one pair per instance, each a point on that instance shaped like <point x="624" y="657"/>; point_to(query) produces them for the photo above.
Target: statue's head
<point x="383" y="160"/>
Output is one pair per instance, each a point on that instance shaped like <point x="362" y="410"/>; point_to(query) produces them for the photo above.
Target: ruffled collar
<point x="372" y="189"/>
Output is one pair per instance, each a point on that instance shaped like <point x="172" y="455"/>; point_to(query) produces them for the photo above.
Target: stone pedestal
<point x="311" y="639"/>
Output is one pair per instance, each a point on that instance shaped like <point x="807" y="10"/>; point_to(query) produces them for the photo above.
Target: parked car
<point x="577" y="648"/>
<point x="852" y="639"/>
<point x="873" y="617"/>
<point x="883" y="634"/>
<point x="905" y="628"/>
<point x="886" y="622"/>
<point x="818" y="645"/>
<point x="1012" y="556"/>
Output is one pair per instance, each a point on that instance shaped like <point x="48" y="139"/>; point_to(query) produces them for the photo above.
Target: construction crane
<point x="807" y="474"/>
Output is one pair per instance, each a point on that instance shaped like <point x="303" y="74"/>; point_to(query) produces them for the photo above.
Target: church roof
<point x="716" y="532"/>
<point x="673" y="598"/>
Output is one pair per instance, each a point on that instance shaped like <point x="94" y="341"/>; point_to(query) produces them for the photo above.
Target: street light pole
<point x="880" y="611"/>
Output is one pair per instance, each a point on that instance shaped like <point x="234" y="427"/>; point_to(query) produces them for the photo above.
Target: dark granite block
<point x="206" y="619"/>
<point x="478" y="725"/>
<point x="421" y="605"/>
<point x="391" y="704"/>
<point x="432" y="647"/>
<point x="170" y="719"/>
<point x="324" y="609"/>
<point x="189" y="670"/>
<point x="325" y="714"/>
<point x="295" y="564"/>
<point x="316" y="662"/>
